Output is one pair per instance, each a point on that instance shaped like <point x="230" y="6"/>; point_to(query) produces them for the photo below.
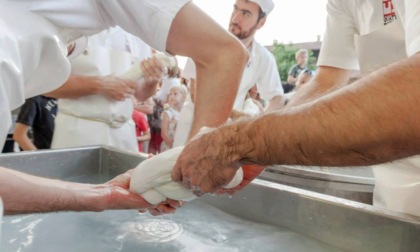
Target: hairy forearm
<point x="24" y="193"/>
<point x="291" y="79"/>
<point x="372" y="121"/>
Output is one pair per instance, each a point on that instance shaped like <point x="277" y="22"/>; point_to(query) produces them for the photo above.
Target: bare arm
<point x="275" y="104"/>
<point x="24" y="193"/>
<point x="111" y="86"/>
<point x="369" y="122"/>
<point x="291" y="79"/>
<point x="326" y="80"/>
<point x="164" y="131"/>
<point x="20" y="135"/>
<point x="193" y="88"/>
<point x="145" y="137"/>
<point x="219" y="57"/>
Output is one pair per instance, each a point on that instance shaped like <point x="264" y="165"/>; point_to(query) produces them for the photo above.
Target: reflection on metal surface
<point x="352" y="183"/>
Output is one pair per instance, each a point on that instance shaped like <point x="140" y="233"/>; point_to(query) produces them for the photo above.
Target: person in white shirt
<point x="33" y="56"/>
<point x="247" y="18"/>
<point x="98" y="119"/>
<point x="329" y="123"/>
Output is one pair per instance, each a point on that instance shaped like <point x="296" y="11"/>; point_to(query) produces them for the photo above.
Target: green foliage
<point x="285" y="58"/>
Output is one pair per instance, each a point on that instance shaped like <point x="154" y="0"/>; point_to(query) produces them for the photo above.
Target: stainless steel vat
<point x="344" y="224"/>
<point x="352" y="183"/>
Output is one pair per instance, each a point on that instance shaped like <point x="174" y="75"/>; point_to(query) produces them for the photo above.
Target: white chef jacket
<point x="372" y="34"/>
<point x="261" y="69"/>
<point x="34" y="35"/>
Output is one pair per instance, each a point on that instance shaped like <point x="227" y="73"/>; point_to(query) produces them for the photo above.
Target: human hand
<point x="250" y="173"/>
<point x="116" y="195"/>
<point x="116" y="88"/>
<point x="153" y="70"/>
<point x="207" y="163"/>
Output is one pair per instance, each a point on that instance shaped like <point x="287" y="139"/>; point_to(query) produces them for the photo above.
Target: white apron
<point x="96" y="119"/>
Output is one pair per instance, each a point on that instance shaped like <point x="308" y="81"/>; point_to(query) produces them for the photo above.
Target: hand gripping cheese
<point x="152" y="179"/>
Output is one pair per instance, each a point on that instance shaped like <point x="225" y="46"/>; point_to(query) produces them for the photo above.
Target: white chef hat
<point x="266" y="5"/>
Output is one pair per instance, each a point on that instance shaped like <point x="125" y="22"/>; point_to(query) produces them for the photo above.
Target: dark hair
<point x="261" y="15"/>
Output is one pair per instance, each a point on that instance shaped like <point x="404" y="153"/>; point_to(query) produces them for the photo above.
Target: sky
<point x="290" y="21"/>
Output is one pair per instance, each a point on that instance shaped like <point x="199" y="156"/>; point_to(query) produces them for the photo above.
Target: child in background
<point x="142" y="127"/>
<point x="176" y="98"/>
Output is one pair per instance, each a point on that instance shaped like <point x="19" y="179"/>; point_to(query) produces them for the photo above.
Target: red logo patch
<point x="389" y="11"/>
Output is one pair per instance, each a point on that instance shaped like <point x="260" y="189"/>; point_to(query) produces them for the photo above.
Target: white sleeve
<point x="148" y="19"/>
<point x="189" y="71"/>
<point x="269" y="83"/>
<point x="411" y="21"/>
<point x="338" y="47"/>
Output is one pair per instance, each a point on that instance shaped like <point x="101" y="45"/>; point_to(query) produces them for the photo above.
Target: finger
<point x="153" y="69"/>
<point x="166" y="209"/>
<point x="142" y="211"/>
<point x="175" y="203"/>
<point x="154" y="212"/>
<point x="186" y="182"/>
<point x="197" y="191"/>
<point x="176" y="172"/>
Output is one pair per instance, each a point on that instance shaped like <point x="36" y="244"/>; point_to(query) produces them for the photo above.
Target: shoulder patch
<point x="389" y="11"/>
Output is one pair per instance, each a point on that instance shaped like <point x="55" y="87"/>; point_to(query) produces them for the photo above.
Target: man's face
<point x="244" y="20"/>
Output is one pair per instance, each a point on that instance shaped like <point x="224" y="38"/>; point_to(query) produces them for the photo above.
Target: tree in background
<point x="285" y="58"/>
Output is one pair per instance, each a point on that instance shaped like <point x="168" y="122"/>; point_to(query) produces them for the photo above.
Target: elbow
<point x="232" y="56"/>
<point x="239" y="52"/>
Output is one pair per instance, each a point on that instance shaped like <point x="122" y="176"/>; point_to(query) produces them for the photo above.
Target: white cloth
<point x="152" y="179"/>
<point x="371" y="34"/>
<point x="261" y="69"/>
<point x="96" y="119"/>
